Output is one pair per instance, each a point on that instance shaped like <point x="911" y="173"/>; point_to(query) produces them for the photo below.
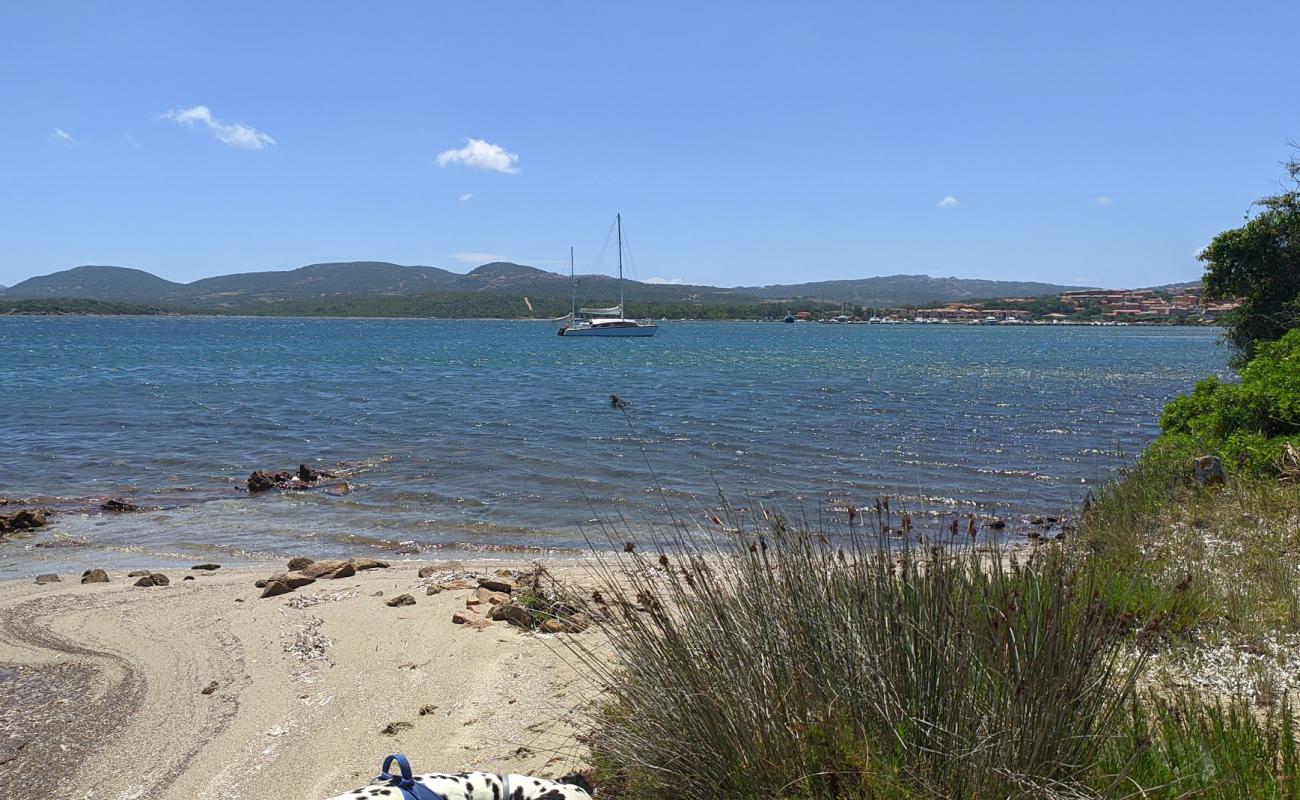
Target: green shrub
<point x="1249" y="423"/>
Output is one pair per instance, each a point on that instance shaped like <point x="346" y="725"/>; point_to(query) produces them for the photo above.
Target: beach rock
<point x="206" y="567"/>
<point x="297" y="564"/>
<point x="577" y="623"/>
<point x="119" y="506"/>
<point x="428" y="709"/>
<point x="94" y="576"/>
<point x="210" y="688"/>
<point x="306" y="474"/>
<point x="260" y="481"/>
<point x="470" y="619"/>
<point x="331" y="569"/>
<point x="153" y="579"/>
<point x="363" y="563"/>
<point x="997" y="524"/>
<point x="24" y="520"/>
<point x="496" y="584"/>
<point x="260" y="584"/>
<point x="294" y="580"/>
<point x="49" y="577"/>
<point x="513" y="613"/>
<point x="1208" y="471"/>
<point x="427" y="570"/>
<point x="394" y="728"/>
<point x="400" y="600"/>
<point x="485" y="595"/>
<point x="274" y="588"/>
<point x="188" y="578"/>
<point x="136" y="573"/>
<point x="433" y="589"/>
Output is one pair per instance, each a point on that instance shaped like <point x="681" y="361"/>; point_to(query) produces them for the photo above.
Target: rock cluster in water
<point x="119" y="506"/>
<point x="304" y="478"/>
<point x="24" y="520"/>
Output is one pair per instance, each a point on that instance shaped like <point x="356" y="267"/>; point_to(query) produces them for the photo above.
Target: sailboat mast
<point x="573" y="281"/>
<point x="621" y="313"/>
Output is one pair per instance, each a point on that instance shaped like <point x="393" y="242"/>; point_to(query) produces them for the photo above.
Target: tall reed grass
<point x="780" y="661"/>
<point x="777" y="660"/>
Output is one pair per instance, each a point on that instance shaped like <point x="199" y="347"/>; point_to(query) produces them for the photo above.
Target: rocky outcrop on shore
<point x="304" y="571"/>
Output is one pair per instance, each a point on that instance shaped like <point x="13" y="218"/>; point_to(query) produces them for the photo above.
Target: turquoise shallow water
<point x="462" y="435"/>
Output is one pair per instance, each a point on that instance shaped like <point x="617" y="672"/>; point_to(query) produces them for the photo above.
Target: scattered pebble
<point x="394" y="728"/>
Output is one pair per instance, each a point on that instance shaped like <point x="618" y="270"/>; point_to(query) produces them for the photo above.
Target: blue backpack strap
<point x="403" y="781"/>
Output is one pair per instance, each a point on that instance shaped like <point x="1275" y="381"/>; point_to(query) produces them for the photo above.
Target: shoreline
<point x="109" y="680"/>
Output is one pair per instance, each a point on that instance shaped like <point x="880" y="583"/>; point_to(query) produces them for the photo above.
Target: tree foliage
<point x="1259" y="264"/>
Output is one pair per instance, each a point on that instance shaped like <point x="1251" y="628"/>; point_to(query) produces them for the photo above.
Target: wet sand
<point x="101" y="687"/>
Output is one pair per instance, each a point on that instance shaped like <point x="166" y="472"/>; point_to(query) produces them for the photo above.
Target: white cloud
<point x="672" y="281"/>
<point x="131" y="140"/>
<point x="1102" y="200"/>
<point x="235" y="134"/>
<point x="481" y="155"/>
<point x="476" y="258"/>
<point x="947" y="202"/>
<point x="60" y="136"/>
<point x="467" y="196"/>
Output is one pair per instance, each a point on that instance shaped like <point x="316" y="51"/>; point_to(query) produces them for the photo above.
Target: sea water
<point x="495" y="436"/>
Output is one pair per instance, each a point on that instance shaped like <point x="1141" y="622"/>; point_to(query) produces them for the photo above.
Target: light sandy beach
<point x="105" y="687"/>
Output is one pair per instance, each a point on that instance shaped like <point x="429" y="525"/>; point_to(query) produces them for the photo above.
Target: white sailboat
<point x="602" y="321"/>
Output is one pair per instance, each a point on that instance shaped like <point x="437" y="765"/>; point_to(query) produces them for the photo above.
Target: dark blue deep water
<point x="457" y="436"/>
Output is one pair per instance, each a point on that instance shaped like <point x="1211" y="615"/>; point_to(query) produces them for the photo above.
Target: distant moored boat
<point x="601" y="321"/>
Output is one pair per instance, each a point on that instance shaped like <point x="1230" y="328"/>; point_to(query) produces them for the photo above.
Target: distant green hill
<point x="357" y="279"/>
<point x="114" y="284"/>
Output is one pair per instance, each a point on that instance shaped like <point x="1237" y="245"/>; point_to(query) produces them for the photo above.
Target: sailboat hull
<point x="639" y="330"/>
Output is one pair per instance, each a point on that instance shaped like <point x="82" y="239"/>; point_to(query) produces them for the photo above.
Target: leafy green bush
<point x="1251" y="423"/>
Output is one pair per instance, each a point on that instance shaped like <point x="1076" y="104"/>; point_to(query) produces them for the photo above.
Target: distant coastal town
<point x="1182" y="305"/>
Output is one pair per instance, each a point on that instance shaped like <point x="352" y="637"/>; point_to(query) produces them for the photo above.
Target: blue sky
<point x="745" y="143"/>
